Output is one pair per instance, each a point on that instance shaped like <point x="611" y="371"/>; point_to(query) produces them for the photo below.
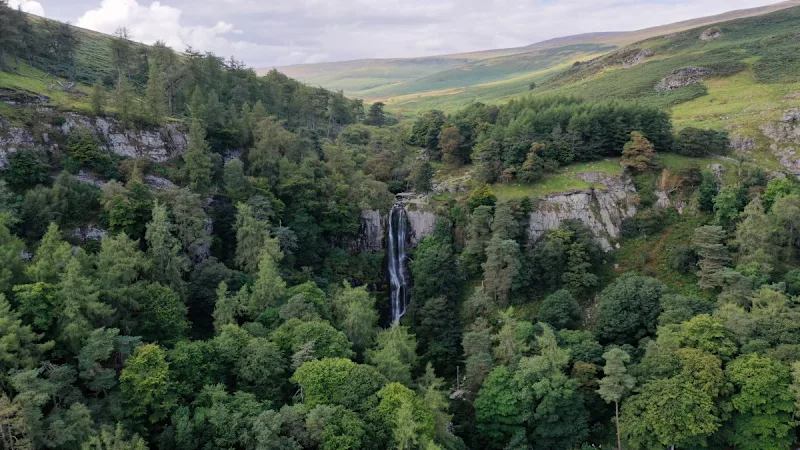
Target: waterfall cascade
<point x="398" y="279"/>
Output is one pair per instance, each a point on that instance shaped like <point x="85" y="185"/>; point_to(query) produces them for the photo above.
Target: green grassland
<point x="563" y="180"/>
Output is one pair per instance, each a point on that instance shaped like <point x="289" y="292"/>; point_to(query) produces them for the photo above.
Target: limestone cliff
<point x="157" y="144"/>
<point x="601" y="209"/>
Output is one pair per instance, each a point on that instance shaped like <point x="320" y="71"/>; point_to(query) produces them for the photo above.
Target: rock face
<point x="602" y="210"/>
<point x="681" y="78"/>
<point x="785" y="130"/>
<point x="637" y="58"/>
<point x="158" y="145"/>
<point x="370" y="237"/>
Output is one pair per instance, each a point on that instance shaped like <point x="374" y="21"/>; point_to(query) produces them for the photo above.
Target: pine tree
<point x="124" y="101"/>
<point x="163" y="249"/>
<point x="156" y="95"/>
<point x="375" y="116"/>
<point x="198" y="158"/>
<point x="98" y="99"/>
<point x="639" y="153"/>
<point x="709" y="243"/>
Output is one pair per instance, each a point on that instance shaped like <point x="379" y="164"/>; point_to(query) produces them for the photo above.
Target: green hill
<point x="449" y="81"/>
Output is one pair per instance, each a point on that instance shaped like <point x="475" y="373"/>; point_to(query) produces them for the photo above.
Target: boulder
<point x="711" y="34"/>
<point x="681" y="78"/>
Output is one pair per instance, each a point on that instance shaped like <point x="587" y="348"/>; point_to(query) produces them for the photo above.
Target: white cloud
<point x="156" y="22"/>
<point x="29" y="6"/>
<point x="265" y="33"/>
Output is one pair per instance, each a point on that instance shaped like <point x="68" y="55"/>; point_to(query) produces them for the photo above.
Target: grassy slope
<point x="450" y="81"/>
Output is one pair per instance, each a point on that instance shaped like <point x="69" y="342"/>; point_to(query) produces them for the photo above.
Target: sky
<point x="272" y="33"/>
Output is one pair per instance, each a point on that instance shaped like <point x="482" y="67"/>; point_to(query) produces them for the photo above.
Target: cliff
<point x="156" y="144"/>
<point x="602" y="210"/>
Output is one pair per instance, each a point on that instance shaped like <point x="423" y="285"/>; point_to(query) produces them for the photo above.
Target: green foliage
<point x="629" y="309"/>
<point x="395" y="354"/>
<point x="560" y="310"/>
<point x="146" y="385"/>
<point x="25" y="170"/>
<point x="699" y="143"/>
<point x="638" y="153"/>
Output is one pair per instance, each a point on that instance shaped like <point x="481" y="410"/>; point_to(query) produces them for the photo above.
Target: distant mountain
<point x="449" y="81"/>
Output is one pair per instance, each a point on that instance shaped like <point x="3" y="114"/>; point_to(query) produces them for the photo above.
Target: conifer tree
<point x="616" y="383"/>
<point x="198" y="158"/>
<point x="639" y="153"/>
<point x="156" y="95"/>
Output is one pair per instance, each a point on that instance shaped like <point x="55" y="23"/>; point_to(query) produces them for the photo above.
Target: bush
<point x="481" y="196"/>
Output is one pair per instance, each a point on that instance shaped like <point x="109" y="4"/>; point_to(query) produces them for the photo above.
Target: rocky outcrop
<point x="602" y="210"/>
<point x="742" y="143"/>
<point x="635" y="59"/>
<point x="681" y="78"/>
<point x="421" y="224"/>
<point x="786" y="129"/>
<point x="711" y="34"/>
<point x="373" y="225"/>
<point x="157" y="144"/>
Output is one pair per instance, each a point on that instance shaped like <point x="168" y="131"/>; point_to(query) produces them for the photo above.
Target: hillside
<point x="412" y="84"/>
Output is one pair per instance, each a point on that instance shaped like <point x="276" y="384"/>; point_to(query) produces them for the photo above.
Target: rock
<point x="711" y="34"/>
<point x="718" y="170"/>
<point x="90" y="178"/>
<point x="785" y="130"/>
<point x="681" y="78"/>
<point x="159" y="182"/>
<point x="742" y="144"/>
<point x="370" y="237"/>
<point x="13" y="139"/>
<point x="602" y="210"/>
<point x="631" y="61"/>
<point x="88" y="233"/>
<point x="790" y="160"/>
<point x="21" y="97"/>
<point x="420" y="223"/>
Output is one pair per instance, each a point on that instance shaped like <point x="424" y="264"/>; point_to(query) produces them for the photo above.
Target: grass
<point x="26" y="80"/>
<point x="563" y="181"/>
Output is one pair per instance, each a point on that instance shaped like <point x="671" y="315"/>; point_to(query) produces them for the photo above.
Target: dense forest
<point x="230" y="311"/>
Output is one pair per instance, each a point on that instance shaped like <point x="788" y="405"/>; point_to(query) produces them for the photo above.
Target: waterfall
<point x="398" y="280"/>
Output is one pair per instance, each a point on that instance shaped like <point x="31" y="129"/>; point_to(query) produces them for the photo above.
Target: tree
<point x="156" y="95"/>
<point x="98" y="99"/>
<point x="198" y="158"/>
<point x="252" y="239"/>
<point x="269" y="286"/>
<point x="236" y="184"/>
<point x="629" y="309"/>
<point x="699" y="143"/>
<point x="125" y="101"/>
<point x="479" y="234"/>
<point x="375" y="115"/>
<point x="356" y="315"/>
<point x="728" y="203"/>
<point x="145" y="384"/>
<point x="560" y="310"/>
<point x="785" y="215"/>
<point x="680" y="411"/>
<point x="764" y="403"/>
<point x="511" y="342"/>
<point x="638" y="154"/>
<point x="19" y="345"/>
<point x="114" y="440"/>
<point x="339" y="381"/>
<point x="164" y="251"/>
<point x="499" y="410"/>
<point x="501" y="269"/>
<point x="617" y="382"/>
<point x="81" y="308"/>
<point x="421" y="177"/>
<point x="395" y="354"/>
<point x="533" y="167"/>
<point x="709" y="243"/>
<point x="450" y="142"/>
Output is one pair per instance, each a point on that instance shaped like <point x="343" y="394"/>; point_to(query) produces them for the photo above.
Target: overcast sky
<point x="268" y="33"/>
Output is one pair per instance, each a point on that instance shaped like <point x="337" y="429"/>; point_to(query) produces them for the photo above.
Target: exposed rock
<point x="158" y="182"/>
<point x="20" y="97"/>
<point x="370" y="237"/>
<point x="742" y="144"/>
<point x="718" y="170"/>
<point x="631" y="61"/>
<point x="420" y="223"/>
<point x="453" y="185"/>
<point x="790" y="160"/>
<point x="90" y="178"/>
<point x="785" y="130"/>
<point x="158" y="145"/>
<point x="232" y="154"/>
<point x="711" y="34"/>
<point x="602" y="210"/>
<point x="88" y="233"/>
<point x="11" y="140"/>
<point x="681" y="78"/>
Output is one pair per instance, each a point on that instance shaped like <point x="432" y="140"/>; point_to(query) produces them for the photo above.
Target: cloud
<point x="29" y="6"/>
<point x="280" y="32"/>
<point x="159" y="22"/>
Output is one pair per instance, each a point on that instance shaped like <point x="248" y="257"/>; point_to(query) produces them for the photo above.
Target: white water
<point x="398" y="223"/>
